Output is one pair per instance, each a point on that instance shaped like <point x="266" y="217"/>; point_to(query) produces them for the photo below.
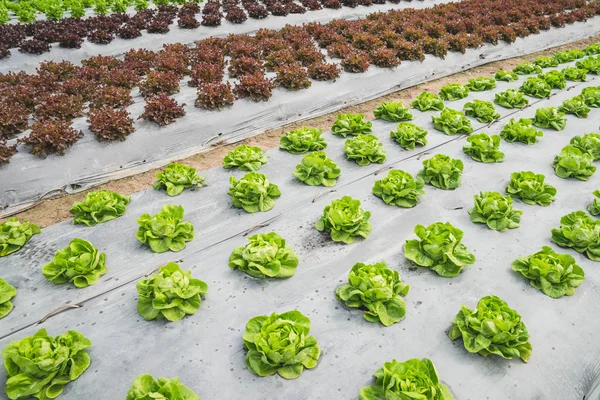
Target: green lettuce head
<point x="409" y="380"/>
<point x="452" y="122"/>
<point x="482" y="110"/>
<point x="590" y="64"/>
<point x="7" y="292"/>
<point x="165" y="230"/>
<point x="591" y="95"/>
<point x="521" y="131"/>
<point x="575" y="74"/>
<point x="511" y="98"/>
<point x="580" y="232"/>
<point x="350" y="124"/>
<point x="393" y="112"/>
<point x="568" y="55"/>
<point x="555" y="79"/>
<point x="594" y="208"/>
<point x="364" y="150"/>
<point x="14" y="235"/>
<point x="495" y="210"/>
<point x="376" y="289"/>
<point x="442" y="171"/>
<point x="556" y="275"/>
<point x="41" y="365"/>
<point x="507" y="76"/>
<point x="253" y="192"/>
<point x="428" y="101"/>
<point x="572" y="162"/>
<point x="399" y="188"/>
<point x="317" y="169"/>
<point x="145" y="387"/>
<point x="454" y="91"/>
<point x="171" y="293"/>
<point x="280" y="343"/>
<point x="409" y="135"/>
<point x="98" y="207"/>
<point x="588" y="143"/>
<point x="302" y="140"/>
<point x="481" y="84"/>
<point x="246" y="158"/>
<point x="265" y="256"/>
<point x="549" y="118"/>
<point x="80" y="263"/>
<point x="177" y="177"/>
<point x="546" y="62"/>
<point x="345" y="220"/>
<point x="439" y="247"/>
<point x="575" y="106"/>
<point x="484" y="148"/>
<point x="492" y="328"/>
<point x="527" y="68"/>
<point x="536" y="87"/>
<point x="531" y="188"/>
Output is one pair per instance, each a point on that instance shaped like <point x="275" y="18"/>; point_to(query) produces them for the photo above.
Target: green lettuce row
<point x="580" y="232"/>
<point x="171" y="293"/>
<point x="351" y="124"/>
<point x="590" y="64"/>
<point x="453" y="91"/>
<point x="482" y="110"/>
<point x="280" y="343"/>
<point x="511" y="98"/>
<point x="496" y="211"/>
<point x="166" y="230"/>
<point x="536" y="87"/>
<point x="442" y="171"/>
<point x="556" y="275"/>
<point x="246" y="158"/>
<point x="7" y="292"/>
<point x="399" y="188"/>
<point x="393" y="112"/>
<point x="14" y="234"/>
<point x="378" y="290"/>
<point x="594" y="208"/>
<point x="555" y="79"/>
<point x="484" y="148"/>
<point x="507" y="76"/>
<point x="177" y="177"/>
<point x="546" y="62"/>
<point x="364" y="150"/>
<point x="98" y="207"/>
<point x="317" y="169"/>
<point x="521" y="131"/>
<point x="345" y="220"/>
<point x="265" y="256"/>
<point x="428" y="101"/>
<point x="591" y="96"/>
<point x="41" y="365"/>
<point x="575" y="74"/>
<point x="530" y="188"/>
<point x="452" y="122"/>
<point x="575" y="106"/>
<point x="80" y="263"/>
<point x="253" y="192"/>
<point x="492" y="328"/>
<point x="412" y="379"/>
<point x="145" y="387"/>
<point x="439" y="248"/>
<point x="549" y="118"/>
<point x="568" y="55"/>
<point x="527" y="68"/>
<point x="588" y="143"/>
<point x="481" y="84"/>
<point x="302" y="140"/>
<point x="409" y="135"/>
<point x="573" y="163"/>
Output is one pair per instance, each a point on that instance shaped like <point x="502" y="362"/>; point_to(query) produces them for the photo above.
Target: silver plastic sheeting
<point x="89" y="162"/>
<point x="205" y="350"/>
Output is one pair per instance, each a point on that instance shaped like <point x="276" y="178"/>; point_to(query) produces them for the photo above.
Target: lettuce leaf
<point x="521" y="131"/>
<point x="572" y="162"/>
<point x="594" y="208"/>
<point x="317" y="169"/>
<point x="409" y="135"/>
<point x="393" y="112"/>
<point x="246" y="158"/>
<point x="350" y="124"/>
<point x="364" y="150"/>
<point x="345" y="220"/>
<point x="482" y="110"/>
<point x="302" y="140"/>
<point x="496" y="211"/>
<point x="14" y="234"/>
<point x="452" y="122"/>
<point x="511" y="98"/>
<point x="177" y="177"/>
<point x="442" y="172"/>
<point x="265" y="256"/>
<point x="484" y="148"/>
<point x="166" y="230"/>
<point x="580" y="232"/>
<point x="531" y="188"/>
<point x="428" y="101"/>
<point x="253" y="192"/>
<point x="80" y="263"/>
<point x="399" y="188"/>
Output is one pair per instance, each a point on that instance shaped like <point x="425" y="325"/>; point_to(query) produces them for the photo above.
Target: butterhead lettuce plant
<point x="246" y="158"/>
<point x="317" y="169"/>
<point x="527" y="68"/>
<point x="588" y="143"/>
<point x="452" y="122"/>
<point x="99" y="206"/>
<point x="351" y="124"/>
<point x="484" y="148"/>
<point x="393" y="112"/>
<point x="280" y="343"/>
<point x="41" y="365"/>
<point x="536" y="87"/>
<point x="454" y="91"/>
<point x="145" y="387"/>
<point x="590" y="64"/>
<point x="412" y="379"/>
<point x="442" y="171"/>
<point x="575" y="106"/>
<point x="399" y="188"/>
<point x="521" y="131"/>
<point x="482" y="110"/>
<point x="555" y="79"/>
<point x="302" y="140"/>
<point x="594" y="208"/>
<point x="496" y="211"/>
<point x="556" y="275"/>
<point x="439" y="248"/>
<point x="511" y="98"/>
<point x="409" y="135"/>
<point x="166" y="230"/>
<point x="506" y="76"/>
<point x="531" y="188"/>
<point x="591" y="95"/>
<point x="177" y="177"/>
<point x="492" y="328"/>
<point x="481" y="84"/>
<point x="546" y="62"/>
<point x="7" y="292"/>
<point x="171" y="293"/>
<point x="253" y="192"/>
<point x="265" y="256"/>
<point x="345" y="220"/>
<point x="14" y="234"/>
<point x="549" y="118"/>
<point x="376" y="289"/>
<point x="80" y="263"/>
<point x="364" y="150"/>
<point x="573" y="163"/>
<point x="568" y="55"/>
<point x="580" y="232"/>
<point x="575" y="74"/>
<point x="428" y="101"/>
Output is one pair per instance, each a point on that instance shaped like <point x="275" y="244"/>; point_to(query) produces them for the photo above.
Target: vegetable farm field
<point x="443" y="249"/>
